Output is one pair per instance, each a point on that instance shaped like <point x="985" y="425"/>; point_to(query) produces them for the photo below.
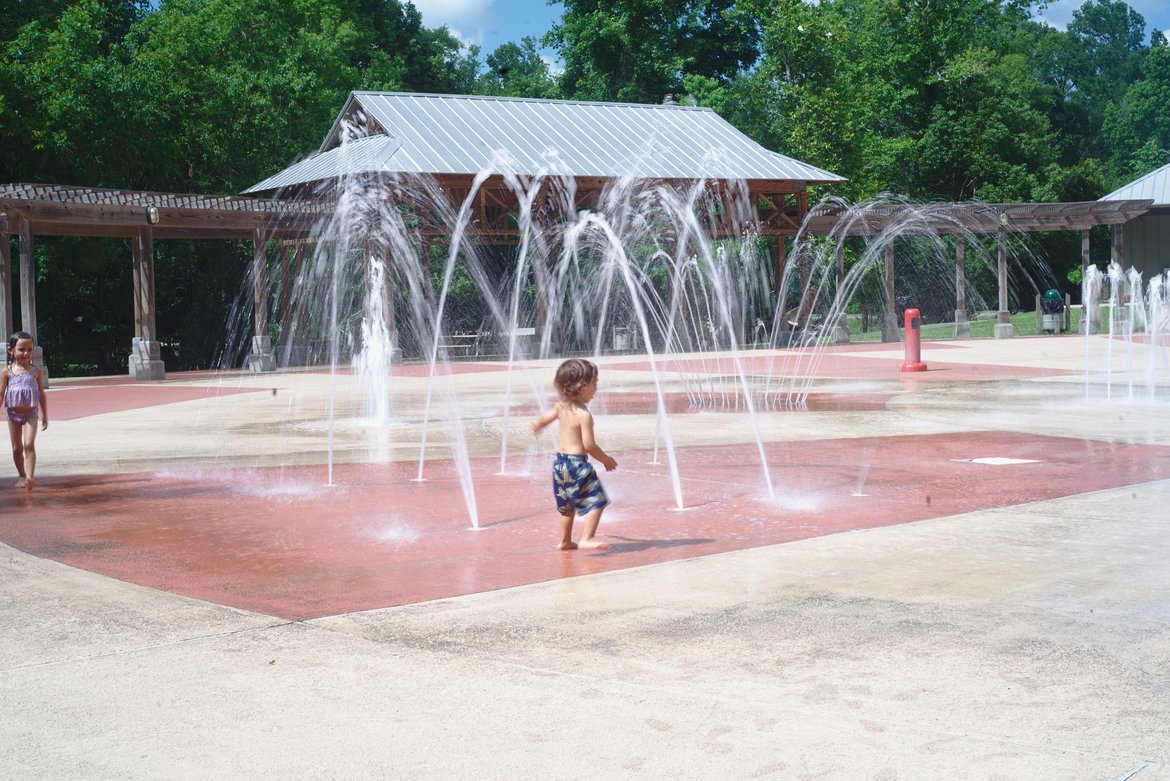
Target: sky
<point x="1060" y="12"/>
<point x="489" y="23"/>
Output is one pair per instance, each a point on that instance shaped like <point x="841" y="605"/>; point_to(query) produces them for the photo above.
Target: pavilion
<point x="1147" y="238"/>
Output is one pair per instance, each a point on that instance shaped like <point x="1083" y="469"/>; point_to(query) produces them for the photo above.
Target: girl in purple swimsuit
<point x="23" y="389"/>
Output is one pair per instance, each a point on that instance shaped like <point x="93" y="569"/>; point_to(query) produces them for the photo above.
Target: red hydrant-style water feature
<point x="913" y="323"/>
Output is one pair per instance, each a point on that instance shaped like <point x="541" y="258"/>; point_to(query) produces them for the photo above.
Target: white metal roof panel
<point x="372" y="153"/>
<point x="1155" y="185"/>
<point x="461" y="134"/>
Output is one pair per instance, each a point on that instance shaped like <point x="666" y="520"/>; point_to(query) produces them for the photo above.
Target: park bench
<point x="461" y="345"/>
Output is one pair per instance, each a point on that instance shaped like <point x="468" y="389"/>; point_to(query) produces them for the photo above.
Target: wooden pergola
<point x="972" y="218"/>
<point x="31" y="210"/>
<point x="781" y="208"/>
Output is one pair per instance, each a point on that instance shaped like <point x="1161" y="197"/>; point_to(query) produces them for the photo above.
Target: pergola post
<point x="778" y="284"/>
<point x="28" y="288"/>
<point x="297" y="348"/>
<point x="803" y="248"/>
<point x="1003" y="318"/>
<point x="1117" y="245"/>
<point x="6" y="313"/>
<point x="1089" y="315"/>
<point x="962" y="325"/>
<point x="778" y="269"/>
<point x="841" y="327"/>
<point x="890" y="310"/>
<point x="145" y="350"/>
<point x="261" y="358"/>
<point x="389" y="309"/>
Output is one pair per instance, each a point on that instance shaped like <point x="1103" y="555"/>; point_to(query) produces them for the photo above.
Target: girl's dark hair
<point x="12" y="340"/>
<point x="573" y="375"/>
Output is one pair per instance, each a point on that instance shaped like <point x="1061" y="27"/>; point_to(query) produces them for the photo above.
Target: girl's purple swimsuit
<point x="23" y="394"/>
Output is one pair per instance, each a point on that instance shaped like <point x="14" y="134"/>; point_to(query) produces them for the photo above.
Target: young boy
<point x="575" y="484"/>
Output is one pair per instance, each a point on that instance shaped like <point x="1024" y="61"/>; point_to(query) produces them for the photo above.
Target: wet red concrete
<point x="280" y="542"/>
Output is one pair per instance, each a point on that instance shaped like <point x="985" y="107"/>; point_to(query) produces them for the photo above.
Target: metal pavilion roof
<point x="412" y="133"/>
<point x="1154" y="185"/>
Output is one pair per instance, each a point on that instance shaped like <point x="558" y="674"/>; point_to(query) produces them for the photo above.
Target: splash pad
<point x="351" y="483"/>
<point x="215" y="511"/>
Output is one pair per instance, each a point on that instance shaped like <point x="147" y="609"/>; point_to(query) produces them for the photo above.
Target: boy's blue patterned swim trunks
<point x="576" y="486"/>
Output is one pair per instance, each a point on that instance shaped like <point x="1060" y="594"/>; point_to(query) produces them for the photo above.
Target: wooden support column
<point x="28" y="291"/>
<point x="261" y="358"/>
<point x="1089" y="316"/>
<point x="806" y="288"/>
<point x="6" y="313"/>
<point x="1117" y="246"/>
<point x="145" y="349"/>
<point x="389" y="309"/>
<point x="841" y="327"/>
<point x="1003" y="318"/>
<point x="890" y="310"/>
<point x="778" y="274"/>
<point x="962" y="325"/>
<point x="291" y="254"/>
<point x="285" y="298"/>
<point x="298" y="333"/>
<point x="28" y="280"/>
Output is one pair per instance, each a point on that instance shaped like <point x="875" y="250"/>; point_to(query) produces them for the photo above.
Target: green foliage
<point x="933" y="99"/>
<point x="518" y="70"/>
<point x="640" y="50"/>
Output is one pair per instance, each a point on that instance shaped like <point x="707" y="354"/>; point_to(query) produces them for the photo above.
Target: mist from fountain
<point x="640" y="261"/>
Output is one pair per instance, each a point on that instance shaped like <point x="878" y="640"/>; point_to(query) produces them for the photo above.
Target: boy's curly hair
<point x="573" y="375"/>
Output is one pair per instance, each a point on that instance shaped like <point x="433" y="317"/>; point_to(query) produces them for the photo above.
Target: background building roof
<point x="1154" y="185"/>
<point x="457" y="134"/>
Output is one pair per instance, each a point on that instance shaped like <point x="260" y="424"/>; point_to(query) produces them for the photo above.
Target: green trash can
<point x="1052" y="309"/>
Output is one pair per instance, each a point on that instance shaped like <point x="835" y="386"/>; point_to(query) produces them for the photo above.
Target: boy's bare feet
<point x="592" y="542"/>
<point x="29" y="484"/>
<point x="20" y="483"/>
<point x="567" y="546"/>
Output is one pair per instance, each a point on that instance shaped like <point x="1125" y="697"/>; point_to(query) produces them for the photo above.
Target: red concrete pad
<point x="279" y="541"/>
<point x="69" y="403"/>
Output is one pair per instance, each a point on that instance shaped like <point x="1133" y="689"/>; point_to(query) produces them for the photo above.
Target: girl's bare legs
<point x="567" y="533"/>
<point x="30" y="453"/>
<point x="592" y="519"/>
<point x="14" y="435"/>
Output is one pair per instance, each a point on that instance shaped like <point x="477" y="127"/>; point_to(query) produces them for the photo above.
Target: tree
<point x="641" y="50"/>
<point x="1106" y="50"/>
<point x="518" y="70"/>
<point x="56" y="90"/>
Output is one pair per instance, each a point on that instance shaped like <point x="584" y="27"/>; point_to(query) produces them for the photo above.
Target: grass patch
<point x="982" y="326"/>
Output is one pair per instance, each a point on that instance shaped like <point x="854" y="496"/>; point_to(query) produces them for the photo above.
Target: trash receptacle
<point x="1052" y="307"/>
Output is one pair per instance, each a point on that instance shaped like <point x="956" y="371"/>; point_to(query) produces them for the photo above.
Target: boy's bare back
<point x="572" y="420"/>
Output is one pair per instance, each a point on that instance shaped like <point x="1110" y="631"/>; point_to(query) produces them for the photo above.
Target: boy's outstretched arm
<point x="548" y="417"/>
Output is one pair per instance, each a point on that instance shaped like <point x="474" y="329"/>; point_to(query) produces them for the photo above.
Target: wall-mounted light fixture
<point x="152" y="215"/>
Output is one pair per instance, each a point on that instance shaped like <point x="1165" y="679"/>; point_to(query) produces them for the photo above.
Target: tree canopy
<point x="932" y="99"/>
